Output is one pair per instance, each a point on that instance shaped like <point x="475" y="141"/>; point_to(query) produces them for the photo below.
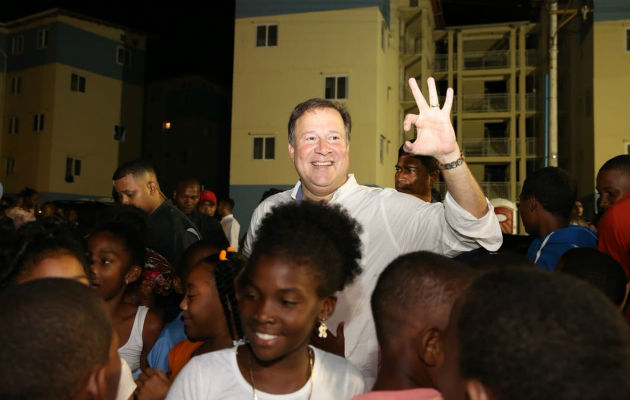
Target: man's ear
<point x="291" y="151"/>
<point x="133" y="274"/>
<point x="328" y="307"/>
<point x="95" y="387"/>
<point x="434" y="177"/>
<point x="153" y="187"/>
<point x="430" y="347"/>
<point x="476" y="391"/>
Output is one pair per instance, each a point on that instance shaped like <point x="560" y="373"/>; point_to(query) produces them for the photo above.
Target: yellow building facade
<point x="71" y="105"/>
<point x="287" y="52"/>
<point x="593" y="91"/>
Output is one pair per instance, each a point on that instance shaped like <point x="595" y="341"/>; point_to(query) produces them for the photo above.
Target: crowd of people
<point x="336" y="291"/>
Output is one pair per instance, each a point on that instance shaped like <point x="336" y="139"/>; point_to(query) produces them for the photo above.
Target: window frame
<point x="42" y="34"/>
<point x="336" y="78"/>
<point x="38" y="122"/>
<point x="264" y="151"/>
<point x="127" y="60"/>
<point x="77" y="83"/>
<point x="9" y="166"/>
<point x="14" y="125"/>
<point x="266" y="28"/>
<point x="16" y="84"/>
<point x="17" y="45"/>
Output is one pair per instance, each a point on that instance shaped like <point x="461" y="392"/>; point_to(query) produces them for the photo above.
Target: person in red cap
<point x="207" y="203"/>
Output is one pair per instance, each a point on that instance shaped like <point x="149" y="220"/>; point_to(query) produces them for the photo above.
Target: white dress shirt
<point x="393" y="224"/>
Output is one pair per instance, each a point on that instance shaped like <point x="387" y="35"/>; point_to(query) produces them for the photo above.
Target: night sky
<point x="186" y="37"/>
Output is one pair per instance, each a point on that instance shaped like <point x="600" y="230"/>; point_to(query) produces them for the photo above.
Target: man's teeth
<point x="322" y="163"/>
<point x="265" y="336"/>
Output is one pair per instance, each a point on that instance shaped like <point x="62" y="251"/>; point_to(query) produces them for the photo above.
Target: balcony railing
<point x="483" y="60"/>
<point x="487" y="59"/>
<point x="486" y="102"/>
<point x="486" y="147"/>
<point x="530" y="101"/>
<point x="530" y="146"/>
<point x="492" y="190"/>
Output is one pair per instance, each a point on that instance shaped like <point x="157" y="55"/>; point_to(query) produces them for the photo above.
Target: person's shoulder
<point x="340" y="366"/>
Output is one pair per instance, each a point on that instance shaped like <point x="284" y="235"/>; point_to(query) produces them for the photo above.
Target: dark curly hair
<point x="528" y="334"/>
<point x="129" y="236"/>
<point x="554" y="189"/>
<point x="322" y="237"/>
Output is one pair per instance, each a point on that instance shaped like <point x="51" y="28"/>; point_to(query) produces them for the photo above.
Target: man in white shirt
<point x="230" y="225"/>
<point x="393" y="223"/>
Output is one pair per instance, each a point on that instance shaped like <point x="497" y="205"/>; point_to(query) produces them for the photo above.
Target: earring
<point x="322" y="329"/>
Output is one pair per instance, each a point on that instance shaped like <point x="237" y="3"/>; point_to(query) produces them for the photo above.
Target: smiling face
<point x="320" y="152"/>
<point x="203" y="313"/>
<point x="279" y="306"/>
<point x="612" y="185"/>
<point x="111" y="265"/>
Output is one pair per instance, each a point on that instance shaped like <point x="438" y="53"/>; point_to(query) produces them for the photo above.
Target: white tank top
<point x="132" y="350"/>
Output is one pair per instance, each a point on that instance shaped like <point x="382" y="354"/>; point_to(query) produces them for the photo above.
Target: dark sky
<point x="191" y="37"/>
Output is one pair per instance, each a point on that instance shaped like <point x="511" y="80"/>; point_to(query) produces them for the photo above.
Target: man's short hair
<point x="229" y="202"/>
<point x="417" y="281"/>
<point x="620" y="162"/>
<point x="54" y="333"/>
<point x="597" y="268"/>
<point x="553" y="188"/>
<point x="314" y="104"/>
<point x="528" y="334"/>
<point x="135" y="168"/>
<point x="430" y="163"/>
<point x="185" y="182"/>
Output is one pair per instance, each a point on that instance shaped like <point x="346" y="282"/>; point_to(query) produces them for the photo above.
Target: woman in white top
<point x="117" y="252"/>
<point x="304" y="254"/>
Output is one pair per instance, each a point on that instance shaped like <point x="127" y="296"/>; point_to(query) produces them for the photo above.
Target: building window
<point x="73" y="168"/>
<point x="123" y="56"/>
<point x="266" y="35"/>
<point x="38" y="122"/>
<point x="16" y="84"/>
<point x="628" y="39"/>
<point x="13" y="125"/>
<point x="336" y="87"/>
<point x="17" y="44"/>
<point x="264" y="148"/>
<point x="77" y="83"/>
<point x="9" y="166"/>
<point x="120" y="133"/>
<point x="42" y="38"/>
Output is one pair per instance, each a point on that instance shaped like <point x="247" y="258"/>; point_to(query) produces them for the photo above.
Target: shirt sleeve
<point x="190" y="383"/>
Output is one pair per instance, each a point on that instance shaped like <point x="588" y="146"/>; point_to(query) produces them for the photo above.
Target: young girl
<point x="40" y="255"/>
<point x="210" y="316"/>
<point x="117" y="252"/>
<point x="304" y="254"/>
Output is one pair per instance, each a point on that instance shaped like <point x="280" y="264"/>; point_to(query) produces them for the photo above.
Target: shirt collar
<point x="351" y="183"/>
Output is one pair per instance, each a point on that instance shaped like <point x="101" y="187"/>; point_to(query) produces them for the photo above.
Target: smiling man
<point x="393" y="223"/>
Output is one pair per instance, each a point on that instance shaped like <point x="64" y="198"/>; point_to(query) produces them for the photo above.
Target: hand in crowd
<point x="435" y="135"/>
<point x="152" y="385"/>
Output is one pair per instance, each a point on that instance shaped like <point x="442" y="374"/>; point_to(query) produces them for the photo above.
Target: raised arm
<point x="435" y="137"/>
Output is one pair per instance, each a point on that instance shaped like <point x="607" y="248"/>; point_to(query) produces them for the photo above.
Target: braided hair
<point x="227" y="265"/>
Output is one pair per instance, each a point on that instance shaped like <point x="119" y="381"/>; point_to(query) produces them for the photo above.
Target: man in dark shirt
<point x="186" y="198"/>
<point x="169" y="231"/>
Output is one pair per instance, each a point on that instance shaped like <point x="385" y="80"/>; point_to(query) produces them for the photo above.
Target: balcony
<point x="530" y="58"/>
<point x="530" y="102"/>
<point x="530" y="146"/>
<point x="486" y="60"/>
<point x="440" y="63"/>
<point x="476" y="103"/>
<point x="410" y="46"/>
<point x="486" y="147"/>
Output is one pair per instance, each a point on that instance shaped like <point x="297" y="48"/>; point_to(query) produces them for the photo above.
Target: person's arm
<point x="153" y="324"/>
<point x="435" y="137"/>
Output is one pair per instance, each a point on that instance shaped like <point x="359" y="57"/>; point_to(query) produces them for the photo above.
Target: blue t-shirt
<point x="545" y="251"/>
<point x="172" y="334"/>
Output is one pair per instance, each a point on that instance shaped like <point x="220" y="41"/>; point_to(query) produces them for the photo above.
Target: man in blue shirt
<point x="545" y="204"/>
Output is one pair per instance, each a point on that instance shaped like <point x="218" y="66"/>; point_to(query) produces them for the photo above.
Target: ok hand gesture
<point x="434" y="132"/>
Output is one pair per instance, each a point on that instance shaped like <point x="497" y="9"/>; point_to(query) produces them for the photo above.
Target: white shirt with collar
<point x="232" y="229"/>
<point x="393" y="224"/>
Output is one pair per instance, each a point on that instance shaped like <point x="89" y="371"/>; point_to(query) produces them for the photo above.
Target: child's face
<point x="110" y="264"/>
<point x="58" y="265"/>
<point x="279" y="306"/>
<point x="203" y="312"/>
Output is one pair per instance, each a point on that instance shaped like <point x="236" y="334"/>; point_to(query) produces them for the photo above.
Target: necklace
<point x="311" y="358"/>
